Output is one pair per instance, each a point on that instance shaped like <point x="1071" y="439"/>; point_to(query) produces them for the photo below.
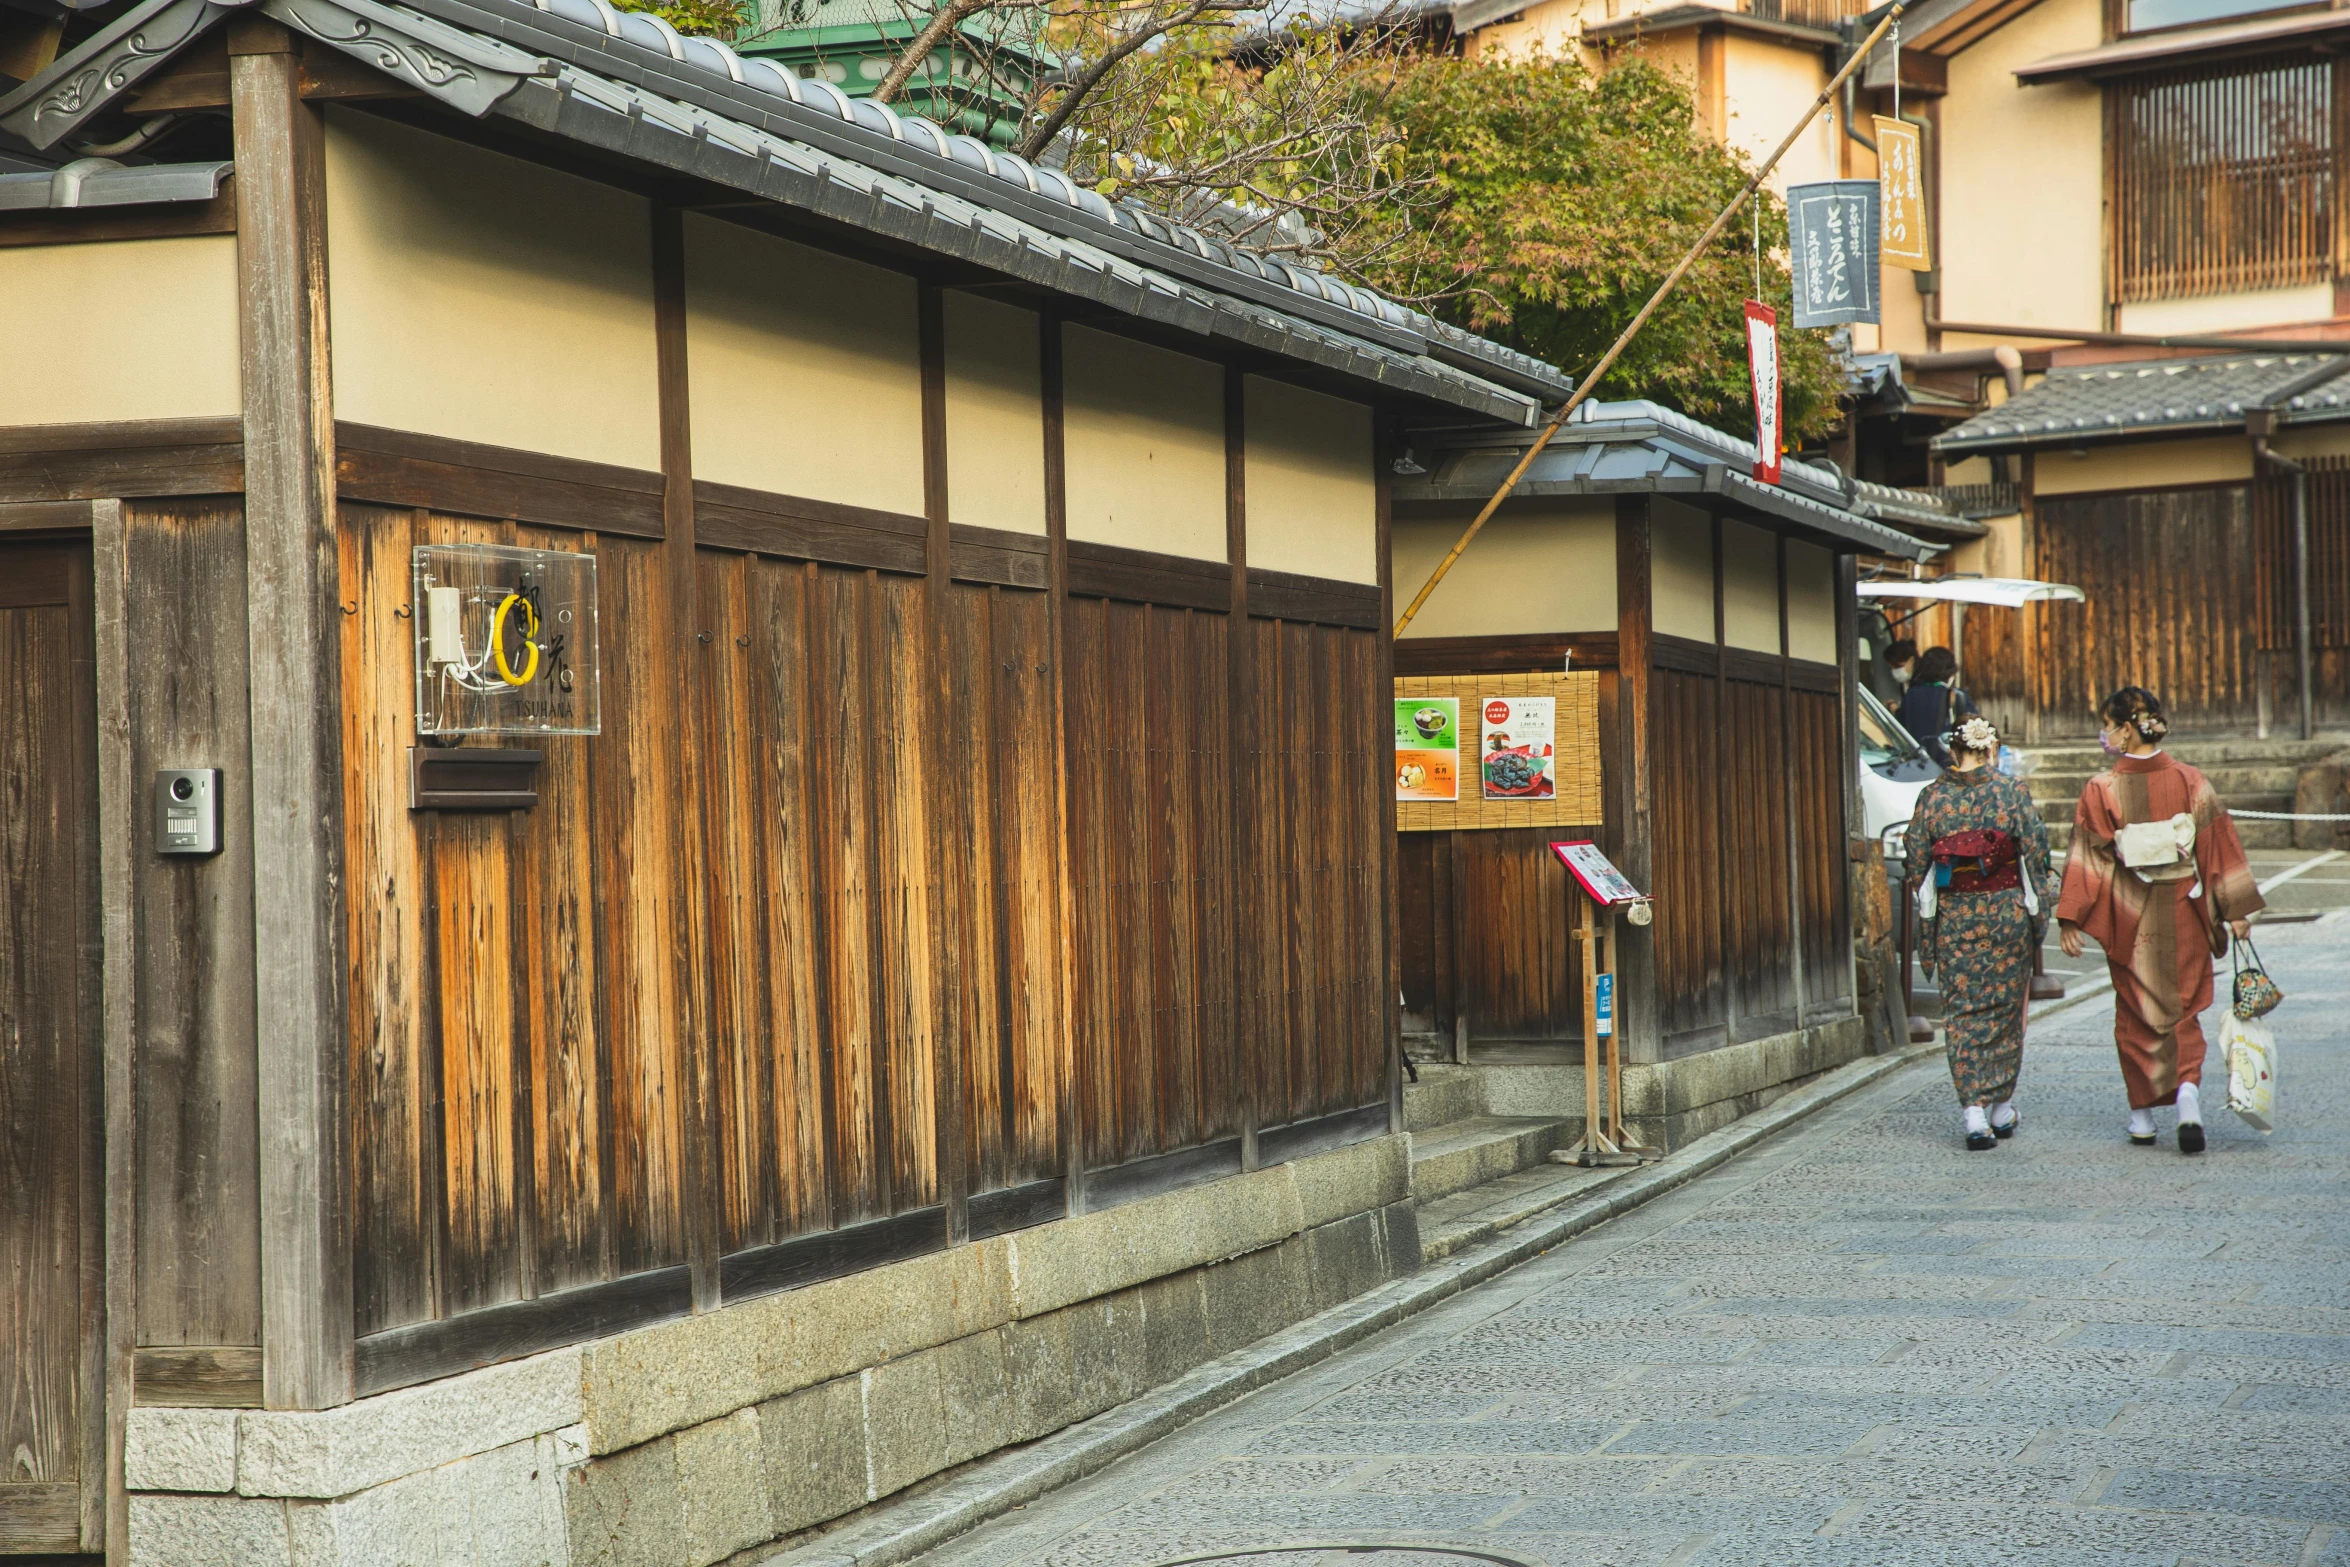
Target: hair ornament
<point x="1973" y="733"/>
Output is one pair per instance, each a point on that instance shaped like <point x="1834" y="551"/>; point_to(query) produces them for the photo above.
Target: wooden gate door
<point x="52" y="1417"/>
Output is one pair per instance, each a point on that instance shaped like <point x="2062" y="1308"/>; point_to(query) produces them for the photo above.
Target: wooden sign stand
<point x="1600" y="891"/>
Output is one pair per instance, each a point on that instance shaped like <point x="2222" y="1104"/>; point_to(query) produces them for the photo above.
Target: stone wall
<point x="681" y="1444"/>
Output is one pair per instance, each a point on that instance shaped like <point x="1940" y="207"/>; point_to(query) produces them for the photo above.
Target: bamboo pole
<point x="1615" y="351"/>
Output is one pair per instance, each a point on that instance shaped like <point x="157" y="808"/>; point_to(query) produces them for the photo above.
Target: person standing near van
<point x="1933" y="704"/>
<point x="1977" y="851"/>
<point x="2157" y="876"/>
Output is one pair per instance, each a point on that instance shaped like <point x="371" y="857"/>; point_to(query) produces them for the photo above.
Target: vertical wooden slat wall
<point x="524" y="989"/>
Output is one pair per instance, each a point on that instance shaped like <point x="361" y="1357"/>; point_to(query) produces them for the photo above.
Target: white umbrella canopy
<point x="2005" y="592"/>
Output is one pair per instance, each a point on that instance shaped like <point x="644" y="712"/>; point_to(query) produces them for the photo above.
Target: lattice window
<point x="2224" y="179"/>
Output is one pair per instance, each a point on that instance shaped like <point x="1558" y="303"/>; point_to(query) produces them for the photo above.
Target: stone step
<point x="1461" y="1154"/>
<point x="1481" y="1212"/>
<point x="2232" y="782"/>
<point x="1444" y="1094"/>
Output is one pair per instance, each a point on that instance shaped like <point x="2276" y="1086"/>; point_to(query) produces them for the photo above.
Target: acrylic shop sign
<point x="1427" y="748"/>
<point x="1595" y="873"/>
<point x="1762" y="374"/>
<point x="1603" y="1001"/>
<point x="1515" y="736"/>
<point x="1901" y="233"/>
<point x="1832" y="244"/>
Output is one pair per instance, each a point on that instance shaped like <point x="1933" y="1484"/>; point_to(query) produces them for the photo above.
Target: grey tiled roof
<point x="2097" y="402"/>
<point x="627" y="83"/>
<point x="1637" y="446"/>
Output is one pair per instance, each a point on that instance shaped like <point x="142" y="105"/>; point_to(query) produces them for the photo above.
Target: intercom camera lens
<point x="183" y="788"/>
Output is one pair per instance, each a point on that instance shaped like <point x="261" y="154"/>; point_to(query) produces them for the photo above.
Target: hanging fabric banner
<point x="1901" y="187"/>
<point x="1832" y="249"/>
<point x="1762" y="373"/>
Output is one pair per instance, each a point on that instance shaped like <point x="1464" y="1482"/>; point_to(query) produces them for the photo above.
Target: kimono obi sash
<point x="1981" y="859"/>
<point x="2158" y="851"/>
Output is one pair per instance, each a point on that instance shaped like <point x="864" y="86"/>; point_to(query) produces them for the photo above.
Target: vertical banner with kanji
<point x="1901" y="189"/>
<point x="1832" y="252"/>
<point x="1762" y="371"/>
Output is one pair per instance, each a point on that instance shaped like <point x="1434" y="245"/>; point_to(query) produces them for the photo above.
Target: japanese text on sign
<point x="1832" y="244"/>
<point x="1901" y="189"/>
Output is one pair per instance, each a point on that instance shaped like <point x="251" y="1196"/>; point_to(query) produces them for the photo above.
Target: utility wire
<point x="1607" y="361"/>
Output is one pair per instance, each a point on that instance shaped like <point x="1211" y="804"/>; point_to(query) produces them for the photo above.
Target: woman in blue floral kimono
<point x="1977" y="853"/>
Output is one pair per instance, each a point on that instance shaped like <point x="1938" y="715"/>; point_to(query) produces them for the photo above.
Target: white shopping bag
<point x="2251" y="1053"/>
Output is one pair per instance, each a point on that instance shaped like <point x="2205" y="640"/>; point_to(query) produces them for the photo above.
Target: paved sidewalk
<point x="1858" y="1344"/>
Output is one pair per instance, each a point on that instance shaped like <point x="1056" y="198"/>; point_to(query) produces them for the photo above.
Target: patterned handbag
<point x="2256" y="995"/>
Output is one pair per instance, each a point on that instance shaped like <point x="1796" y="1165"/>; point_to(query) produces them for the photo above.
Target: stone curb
<point x="901" y="1530"/>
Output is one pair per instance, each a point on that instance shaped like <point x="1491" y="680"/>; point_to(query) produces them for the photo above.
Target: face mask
<point x="2105" y="743"/>
<point x="1900" y="676"/>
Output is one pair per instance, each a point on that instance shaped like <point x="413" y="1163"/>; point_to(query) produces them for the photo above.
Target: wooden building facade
<point x="2165" y="491"/>
<point x="986" y="826"/>
<point x="1716" y="613"/>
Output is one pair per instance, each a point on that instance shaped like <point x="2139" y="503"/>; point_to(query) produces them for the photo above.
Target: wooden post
<point x="293" y="637"/>
<point x="1391" y="928"/>
<point x="1791" y="777"/>
<point x="118" y="818"/>
<point x="1056" y="525"/>
<point x="689" y="685"/>
<point x="1631" y="841"/>
<point x="1595" y="1099"/>
<point x="946" y="912"/>
<point x="1240" y="738"/>
<point x="1848" y="759"/>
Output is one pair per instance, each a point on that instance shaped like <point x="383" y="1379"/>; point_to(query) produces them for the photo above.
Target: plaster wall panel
<point x="995" y="415"/>
<point x="1538" y="567"/>
<point x="1750" y="587"/>
<point x="1313" y="501"/>
<point x="2259" y="307"/>
<point x="1680" y="570"/>
<point x="136" y="329"/>
<point x="804" y="370"/>
<point x="1145" y="440"/>
<point x="1766" y="87"/>
<point x="1811" y="603"/>
<point x="2019" y="237"/>
<point x="2142" y="465"/>
<point x="477" y="296"/>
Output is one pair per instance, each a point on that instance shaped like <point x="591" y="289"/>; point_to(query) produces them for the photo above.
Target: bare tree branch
<point x="1076" y="90"/>
<point x="943" y="21"/>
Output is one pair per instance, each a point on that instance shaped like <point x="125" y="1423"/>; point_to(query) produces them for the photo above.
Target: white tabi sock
<point x="2003" y="1113"/>
<point x="2190" y="1105"/>
<point x="2141" y="1123"/>
<point x="1975" y="1120"/>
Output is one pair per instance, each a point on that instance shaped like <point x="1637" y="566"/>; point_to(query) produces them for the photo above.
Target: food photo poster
<point x="1427" y="748"/>
<point x="1514" y="747"/>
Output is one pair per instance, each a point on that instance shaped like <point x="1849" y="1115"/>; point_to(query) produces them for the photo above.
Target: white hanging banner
<point x="1762" y="373"/>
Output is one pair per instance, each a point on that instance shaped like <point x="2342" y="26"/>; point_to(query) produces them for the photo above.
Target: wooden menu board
<point x="1576" y="801"/>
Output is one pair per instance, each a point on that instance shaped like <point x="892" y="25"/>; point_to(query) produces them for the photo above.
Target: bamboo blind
<point x="1575" y="801"/>
<point x="2224" y="178"/>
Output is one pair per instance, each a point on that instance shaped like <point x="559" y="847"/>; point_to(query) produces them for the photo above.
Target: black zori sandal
<point x="2190" y="1137"/>
<point x="1978" y="1141"/>
<point x="2006" y="1129"/>
<point x="2148" y="1141"/>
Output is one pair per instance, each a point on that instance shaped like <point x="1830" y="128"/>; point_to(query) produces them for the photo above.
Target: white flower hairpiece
<point x="1976" y="734"/>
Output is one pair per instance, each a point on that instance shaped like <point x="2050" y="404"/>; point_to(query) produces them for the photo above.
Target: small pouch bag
<point x="2256" y="995"/>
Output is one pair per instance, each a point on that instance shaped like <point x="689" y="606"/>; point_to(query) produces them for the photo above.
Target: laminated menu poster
<point x="1427" y="748"/>
<point x="1515" y="736"/>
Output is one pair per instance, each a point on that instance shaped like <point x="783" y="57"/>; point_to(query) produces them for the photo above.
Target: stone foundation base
<point x="682" y="1444"/>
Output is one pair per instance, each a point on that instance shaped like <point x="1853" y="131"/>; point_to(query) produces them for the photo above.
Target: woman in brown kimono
<point x="2157" y="875"/>
<point x="1977" y="840"/>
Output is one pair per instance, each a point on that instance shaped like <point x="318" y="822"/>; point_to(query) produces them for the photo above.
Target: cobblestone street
<point x="1858" y="1344"/>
